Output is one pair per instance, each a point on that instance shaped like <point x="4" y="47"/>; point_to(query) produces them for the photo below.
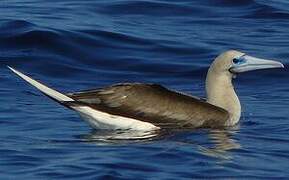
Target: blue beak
<point x="249" y="63"/>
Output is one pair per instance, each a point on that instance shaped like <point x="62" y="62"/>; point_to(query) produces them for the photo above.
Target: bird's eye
<point x="238" y="60"/>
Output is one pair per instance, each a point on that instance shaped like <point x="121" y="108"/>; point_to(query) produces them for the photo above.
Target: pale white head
<point x="219" y="88"/>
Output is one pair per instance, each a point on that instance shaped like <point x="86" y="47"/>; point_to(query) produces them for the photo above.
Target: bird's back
<point x="155" y="104"/>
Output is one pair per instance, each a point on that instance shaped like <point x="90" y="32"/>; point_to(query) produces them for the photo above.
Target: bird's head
<point x="233" y="62"/>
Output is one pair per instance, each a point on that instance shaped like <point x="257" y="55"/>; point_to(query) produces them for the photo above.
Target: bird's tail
<point x="53" y="94"/>
<point x="96" y="118"/>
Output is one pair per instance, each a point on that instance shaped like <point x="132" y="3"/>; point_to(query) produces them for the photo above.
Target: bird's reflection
<point x="220" y="141"/>
<point x="119" y="136"/>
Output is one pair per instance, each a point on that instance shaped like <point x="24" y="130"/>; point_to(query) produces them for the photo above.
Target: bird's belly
<point x="102" y="120"/>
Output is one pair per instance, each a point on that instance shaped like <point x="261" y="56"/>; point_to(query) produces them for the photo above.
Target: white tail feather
<point x="46" y="90"/>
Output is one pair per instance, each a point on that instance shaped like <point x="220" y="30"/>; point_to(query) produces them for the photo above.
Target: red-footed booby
<point x="145" y="107"/>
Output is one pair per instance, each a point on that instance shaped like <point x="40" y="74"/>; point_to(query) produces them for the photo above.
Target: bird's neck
<point x="221" y="93"/>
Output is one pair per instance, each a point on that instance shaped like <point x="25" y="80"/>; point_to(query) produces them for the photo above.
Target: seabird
<point x="138" y="106"/>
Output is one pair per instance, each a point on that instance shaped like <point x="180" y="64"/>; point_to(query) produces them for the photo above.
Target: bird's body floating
<point x="149" y="106"/>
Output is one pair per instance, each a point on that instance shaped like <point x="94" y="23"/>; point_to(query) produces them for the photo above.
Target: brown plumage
<point x="152" y="103"/>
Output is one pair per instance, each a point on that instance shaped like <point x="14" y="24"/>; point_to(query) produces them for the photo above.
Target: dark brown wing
<point x="155" y="104"/>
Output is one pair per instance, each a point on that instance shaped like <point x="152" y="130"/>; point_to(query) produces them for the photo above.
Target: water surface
<point x="74" y="45"/>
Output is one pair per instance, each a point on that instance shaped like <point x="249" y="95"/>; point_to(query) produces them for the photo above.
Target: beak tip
<point x="281" y="65"/>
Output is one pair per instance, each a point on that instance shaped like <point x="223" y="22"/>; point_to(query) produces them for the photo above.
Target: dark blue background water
<point x="73" y="45"/>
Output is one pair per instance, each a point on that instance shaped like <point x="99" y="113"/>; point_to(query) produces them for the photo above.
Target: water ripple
<point x="75" y="45"/>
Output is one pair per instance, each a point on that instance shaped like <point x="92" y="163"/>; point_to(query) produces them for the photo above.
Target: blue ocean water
<point x="81" y="44"/>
